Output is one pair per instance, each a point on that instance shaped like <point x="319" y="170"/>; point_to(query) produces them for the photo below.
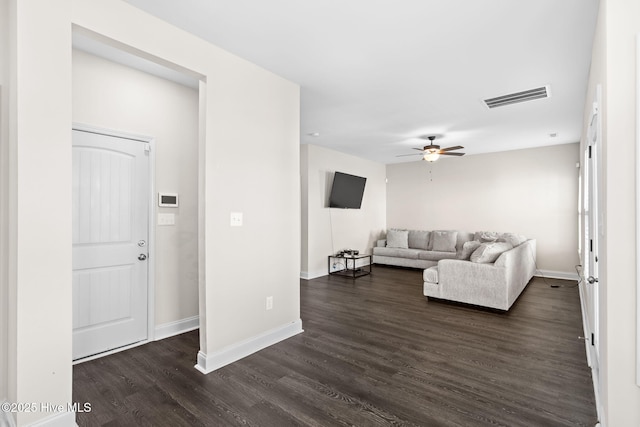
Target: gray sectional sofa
<point x="482" y="268"/>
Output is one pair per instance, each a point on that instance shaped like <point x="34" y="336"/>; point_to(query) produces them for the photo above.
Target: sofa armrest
<point x="524" y="253"/>
<point x="520" y="263"/>
<point x="381" y="243"/>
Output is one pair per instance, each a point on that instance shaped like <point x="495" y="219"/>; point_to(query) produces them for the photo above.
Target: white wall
<point x="614" y="67"/>
<point x="39" y="295"/>
<point x="250" y="163"/>
<point x="329" y="230"/>
<point x="249" y="152"/>
<point x="4" y="187"/>
<point x="532" y="192"/>
<point x="142" y="104"/>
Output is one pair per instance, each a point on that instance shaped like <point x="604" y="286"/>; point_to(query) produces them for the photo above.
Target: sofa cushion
<point x="443" y="241"/>
<point x="436" y="255"/>
<point x="419" y="239"/>
<point x="398" y="239"/>
<point x="468" y="248"/>
<point x="490" y="251"/>
<point x="397" y="252"/>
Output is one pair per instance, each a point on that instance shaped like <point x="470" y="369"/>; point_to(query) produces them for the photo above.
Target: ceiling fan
<point x="432" y="152"/>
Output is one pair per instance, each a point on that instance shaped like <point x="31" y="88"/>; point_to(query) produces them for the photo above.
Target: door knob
<point x="142" y="257"/>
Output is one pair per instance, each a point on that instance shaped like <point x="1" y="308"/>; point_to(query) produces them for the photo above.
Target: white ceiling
<point x="376" y="74"/>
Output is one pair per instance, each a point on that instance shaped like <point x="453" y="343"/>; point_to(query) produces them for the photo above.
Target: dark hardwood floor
<point x="375" y="352"/>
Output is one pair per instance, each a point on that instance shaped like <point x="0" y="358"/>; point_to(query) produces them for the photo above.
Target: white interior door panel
<point x="110" y="224"/>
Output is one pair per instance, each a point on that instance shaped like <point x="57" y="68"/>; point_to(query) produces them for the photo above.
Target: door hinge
<point x="590" y="245"/>
<point x="589" y="151"/>
<point x="147" y="147"/>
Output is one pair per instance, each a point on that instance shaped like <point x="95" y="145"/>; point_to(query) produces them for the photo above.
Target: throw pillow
<point x="398" y="239"/>
<point x="418" y="239"/>
<point x="443" y="241"/>
<point x="468" y="248"/>
<point x="489" y="252"/>
<point x="486" y="236"/>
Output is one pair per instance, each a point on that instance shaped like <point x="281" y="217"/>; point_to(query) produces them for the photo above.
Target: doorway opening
<point x="123" y="95"/>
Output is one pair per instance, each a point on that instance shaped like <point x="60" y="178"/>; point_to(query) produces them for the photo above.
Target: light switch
<point x="166" y="219"/>
<point x="236" y="219"/>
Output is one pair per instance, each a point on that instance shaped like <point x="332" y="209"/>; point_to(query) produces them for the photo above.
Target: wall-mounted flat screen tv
<point x="346" y="191"/>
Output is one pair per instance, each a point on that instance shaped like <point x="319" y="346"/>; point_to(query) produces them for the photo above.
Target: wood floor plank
<point x="375" y="352"/>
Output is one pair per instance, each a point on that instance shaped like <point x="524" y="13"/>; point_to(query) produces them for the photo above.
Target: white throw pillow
<point x="468" y="248"/>
<point x="489" y="252"/>
<point x="398" y="239"/>
<point x="443" y="241"/>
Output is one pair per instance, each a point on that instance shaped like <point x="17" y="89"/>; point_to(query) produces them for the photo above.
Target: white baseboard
<point x="557" y="274"/>
<point x="235" y="352"/>
<point x="305" y="275"/>
<point x="181" y="326"/>
<point x="308" y="276"/>
<point x="59" y="419"/>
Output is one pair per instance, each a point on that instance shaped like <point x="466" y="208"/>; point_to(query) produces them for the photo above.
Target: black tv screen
<point x="347" y="191"/>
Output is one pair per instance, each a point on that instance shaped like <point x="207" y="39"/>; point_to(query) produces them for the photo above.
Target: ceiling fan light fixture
<point x="431" y="156"/>
<point x="432" y="152"/>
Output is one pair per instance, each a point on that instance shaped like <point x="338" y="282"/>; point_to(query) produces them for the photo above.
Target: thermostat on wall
<point x="168" y="200"/>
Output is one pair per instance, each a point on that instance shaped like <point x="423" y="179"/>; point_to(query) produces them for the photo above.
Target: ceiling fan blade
<point x="452" y="154"/>
<point x="419" y="149"/>
<point x="457" y="147"/>
<point x="413" y="154"/>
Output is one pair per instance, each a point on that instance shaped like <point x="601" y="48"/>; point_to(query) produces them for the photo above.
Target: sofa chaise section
<point x="495" y="285"/>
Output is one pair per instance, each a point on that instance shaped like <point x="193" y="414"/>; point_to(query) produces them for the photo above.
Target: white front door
<point x="110" y="235"/>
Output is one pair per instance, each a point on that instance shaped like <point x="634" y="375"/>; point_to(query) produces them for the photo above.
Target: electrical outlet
<point x="269" y="303"/>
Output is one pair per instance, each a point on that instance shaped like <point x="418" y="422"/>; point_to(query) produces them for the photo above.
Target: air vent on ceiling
<point x="513" y="98"/>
